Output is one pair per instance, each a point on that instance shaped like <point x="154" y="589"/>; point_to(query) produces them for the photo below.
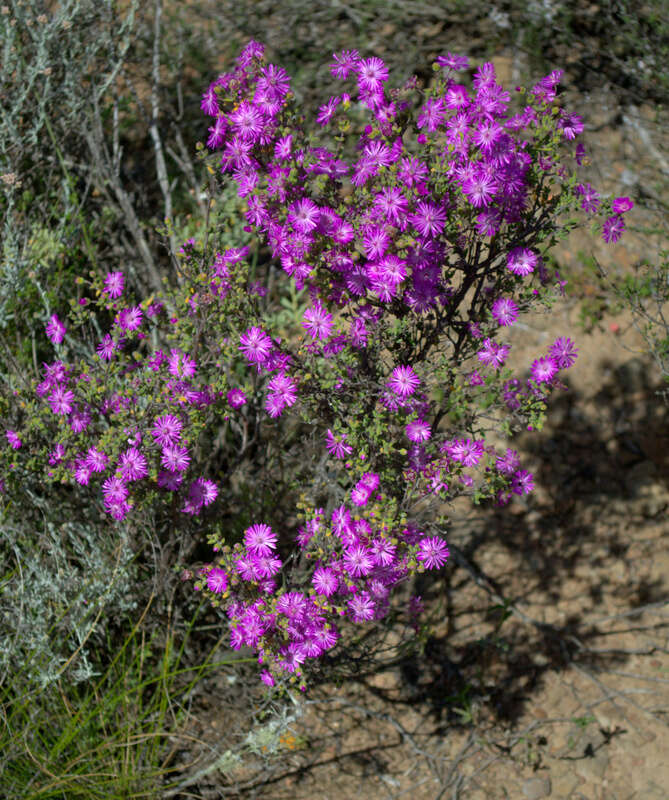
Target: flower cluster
<point x="415" y="222"/>
<point x="405" y="245"/>
<point x="355" y="563"/>
<point x="159" y="455"/>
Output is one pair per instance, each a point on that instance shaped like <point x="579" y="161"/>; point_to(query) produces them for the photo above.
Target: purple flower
<point x="392" y="269"/>
<point x="613" y="228"/>
<point x="343" y="233"/>
<point x="236" y="154"/>
<point x="55" y="329"/>
<point x="217" y="133"/>
<point x="412" y="171"/>
<point x="266" y="678"/>
<point x="370" y="480"/>
<point x="246" y="568"/>
<point x="358" y="561"/>
<point x="571" y="125"/>
<point x="217" y="581"/>
<point x="383" y="551"/>
<point x="260" y="540"/>
<point x="326" y="637"/>
<point x="274" y="405"/>
<point x="522" y="482"/>
<point x="403" y="381"/>
<point x="106" y="348"/>
<point x="621" y="204"/>
<point x="457" y="98"/>
<point x="180" y="365"/>
<point x="176" y="459"/>
<point x="488" y="222"/>
<point x="511" y="394"/>
<point x="236" y="398"/>
<point x="358" y="333"/>
<point x="266" y="566"/>
<point x="61" y="400"/>
<point x="57" y="454"/>
<point x="96" y="460"/>
<point x="132" y="465"/>
<point x="129" y="319"/>
<point x="341" y="520"/>
<point x="428" y="219"/>
<point x="326" y="112"/>
<point x="563" y="352"/>
<point x="54" y="373"/>
<point x="166" y="430"/>
<point x="13" y="439"/>
<point x="486" y="135"/>
<point x="292" y="604"/>
<point x="209" y="103"/>
<point x="361" y="607"/>
<point x="255" y="345"/>
<point x="325" y="581"/>
<point x="479" y="189"/>
<point x="303" y="215"/>
<point x="391" y="205"/>
<point x="505" y="311"/>
<point x="114" y="490"/>
<point x="82" y="473"/>
<point x="360" y="494"/>
<point x="384" y="288"/>
<point x="118" y="510"/>
<point x="336" y="445"/>
<point x="452" y="61"/>
<point x="317" y="322"/>
<point x="371" y="74"/>
<point x="465" y="451"/>
<point x="418" y="430"/>
<point x="291" y="658"/>
<point x="375" y="241"/>
<point x="432" y="114"/>
<point x="521" y="261"/>
<point x="493" y="354"/>
<point x="236" y="639"/>
<point x="508" y="463"/>
<point x="344" y="63"/>
<point x="273" y="84"/>
<point x="283" y="387"/>
<point x="310" y="646"/>
<point x="433" y="552"/>
<point x="589" y="197"/>
<point x="114" y="283"/>
<point x="282" y="148"/>
<point x="202" y="492"/>
<point x="247" y="121"/>
<point x="79" y="420"/>
<point x="543" y="370"/>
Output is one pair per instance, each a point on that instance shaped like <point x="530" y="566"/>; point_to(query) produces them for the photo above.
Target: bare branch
<point x="161" y="167"/>
<point x="103" y="164"/>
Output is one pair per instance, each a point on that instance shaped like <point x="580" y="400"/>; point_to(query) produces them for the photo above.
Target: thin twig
<point x="161" y="167"/>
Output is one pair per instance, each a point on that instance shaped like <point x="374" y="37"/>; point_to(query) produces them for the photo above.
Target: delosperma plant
<point x="417" y="222"/>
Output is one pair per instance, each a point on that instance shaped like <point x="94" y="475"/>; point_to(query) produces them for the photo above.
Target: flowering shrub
<point x="417" y="222"/>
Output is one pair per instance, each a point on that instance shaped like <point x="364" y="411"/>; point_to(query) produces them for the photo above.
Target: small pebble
<point x="536" y="788"/>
